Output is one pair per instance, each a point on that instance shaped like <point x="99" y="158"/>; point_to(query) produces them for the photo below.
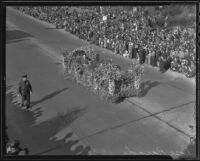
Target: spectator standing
<point x="153" y="58"/>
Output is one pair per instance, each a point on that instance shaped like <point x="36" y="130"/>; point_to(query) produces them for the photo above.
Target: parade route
<point x="67" y="119"/>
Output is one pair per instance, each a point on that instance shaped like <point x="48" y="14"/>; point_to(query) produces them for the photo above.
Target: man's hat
<point x="14" y="143"/>
<point x="24" y="76"/>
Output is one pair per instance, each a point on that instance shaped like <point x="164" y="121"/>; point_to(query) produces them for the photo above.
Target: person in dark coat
<point x="25" y="89"/>
<point x="157" y="58"/>
<point x="161" y="63"/>
<point x="134" y="52"/>
<point x="168" y="63"/>
<point x="126" y="45"/>
<point x="153" y="57"/>
<point x="142" y="55"/>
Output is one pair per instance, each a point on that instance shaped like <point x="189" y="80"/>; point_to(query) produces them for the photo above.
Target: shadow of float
<point x="147" y="86"/>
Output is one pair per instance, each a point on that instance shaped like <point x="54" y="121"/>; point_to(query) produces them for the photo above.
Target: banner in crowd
<point x="134" y="9"/>
<point x="104" y="18"/>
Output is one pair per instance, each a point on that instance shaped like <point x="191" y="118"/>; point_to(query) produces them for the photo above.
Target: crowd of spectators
<point x="131" y="34"/>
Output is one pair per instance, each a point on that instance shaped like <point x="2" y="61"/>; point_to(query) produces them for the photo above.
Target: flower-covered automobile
<point x="104" y="78"/>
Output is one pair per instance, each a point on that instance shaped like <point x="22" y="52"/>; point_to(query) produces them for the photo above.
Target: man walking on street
<point x="25" y="89"/>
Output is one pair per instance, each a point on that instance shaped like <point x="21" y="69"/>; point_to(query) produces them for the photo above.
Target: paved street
<point x="67" y="119"/>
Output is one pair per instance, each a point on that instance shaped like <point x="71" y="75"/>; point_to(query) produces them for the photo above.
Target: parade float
<point x="104" y="78"/>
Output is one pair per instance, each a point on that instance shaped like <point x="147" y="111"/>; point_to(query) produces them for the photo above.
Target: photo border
<point x="3" y="6"/>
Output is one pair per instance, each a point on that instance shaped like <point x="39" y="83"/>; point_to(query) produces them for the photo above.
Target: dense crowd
<point x="131" y="34"/>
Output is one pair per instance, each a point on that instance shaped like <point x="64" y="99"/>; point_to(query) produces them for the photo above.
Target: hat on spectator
<point x="24" y="76"/>
<point x="14" y="143"/>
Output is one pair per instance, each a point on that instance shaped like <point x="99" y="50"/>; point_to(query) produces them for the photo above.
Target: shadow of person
<point x="79" y="149"/>
<point x="13" y="35"/>
<point x="164" y="67"/>
<point x="8" y="87"/>
<point x="16" y="41"/>
<point x="38" y="114"/>
<point x="189" y="152"/>
<point x="58" y="146"/>
<point x="146" y="86"/>
<point x="162" y="70"/>
<point x="120" y="99"/>
<point x="49" y="96"/>
<point x="50" y="28"/>
<point x="24" y="151"/>
<point x="85" y="151"/>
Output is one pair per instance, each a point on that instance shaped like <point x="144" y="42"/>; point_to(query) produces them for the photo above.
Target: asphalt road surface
<point x="67" y="119"/>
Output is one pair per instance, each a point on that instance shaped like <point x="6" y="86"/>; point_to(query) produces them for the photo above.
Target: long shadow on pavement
<point x="60" y="148"/>
<point x="16" y="36"/>
<point x="8" y="87"/>
<point x="49" y="96"/>
<point x="146" y="86"/>
<point x="51" y="28"/>
<point x="15" y="41"/>
<point x="189" y="152"/>
<point x="37" y="137"/>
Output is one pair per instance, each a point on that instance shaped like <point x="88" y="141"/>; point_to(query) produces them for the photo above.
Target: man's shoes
<point x="27" y="107"/>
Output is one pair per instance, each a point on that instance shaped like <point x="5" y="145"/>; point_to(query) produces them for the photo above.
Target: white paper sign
<point x="104" y="18"/>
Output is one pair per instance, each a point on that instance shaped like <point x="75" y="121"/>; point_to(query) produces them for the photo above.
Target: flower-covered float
<point x="104" y="78"/>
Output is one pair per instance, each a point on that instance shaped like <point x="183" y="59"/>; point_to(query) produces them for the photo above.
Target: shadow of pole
<point x="49" y="96"/>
